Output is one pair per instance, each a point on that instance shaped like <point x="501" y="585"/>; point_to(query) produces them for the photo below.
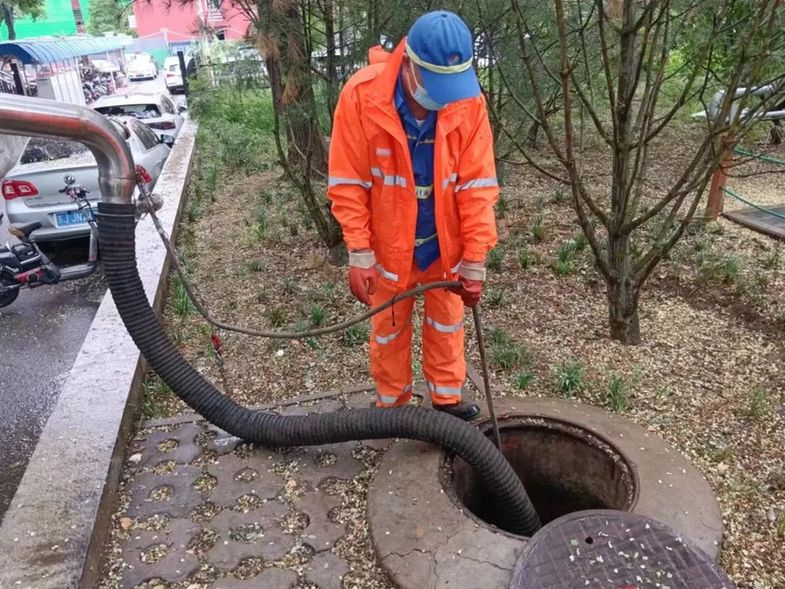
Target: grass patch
<point x="718" y="268"/>
<point x="568" y="377"/>
<point x="277" y="316"/>
<point x="318" y="315"/>
<point x="494" y="297"/>
<point x="156" y="394"/>
<point x="179" y="300"/>
<point x="501" y="207"/>
<point x="565" y="258"/>
<point x="537" y="230"/>
<point x="523" y="380"/>
<point x="254" y="266"/>
<point x="559" y="196"/>
<point x="757" y="406"/>
<point x="495" y="257"/>
<point x="617" y="393"/>
<point x="526" y="258"/>
<point x="721" y="454"/>
<point x="356" y="335"/>
<point x="506" y="353"/>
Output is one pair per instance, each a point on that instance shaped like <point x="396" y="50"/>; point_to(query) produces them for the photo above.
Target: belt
<point x="419" y="242"/>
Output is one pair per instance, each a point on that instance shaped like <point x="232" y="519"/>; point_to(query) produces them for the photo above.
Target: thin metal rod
<point x="486" y="379"/>
<point x="200" y="307"/>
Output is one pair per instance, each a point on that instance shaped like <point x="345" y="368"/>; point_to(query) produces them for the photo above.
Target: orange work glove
<point x="363" y="276"/>
<point x="471" y="276"/>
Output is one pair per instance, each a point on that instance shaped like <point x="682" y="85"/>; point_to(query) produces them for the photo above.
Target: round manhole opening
<point x="564" y="467"/>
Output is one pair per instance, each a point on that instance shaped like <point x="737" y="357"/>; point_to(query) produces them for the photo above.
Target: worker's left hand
<point x="469" y="290"/>
<point x="471" y="275"/>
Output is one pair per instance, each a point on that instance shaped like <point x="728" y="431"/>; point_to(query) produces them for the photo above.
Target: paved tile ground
<point x="201" y="509"/>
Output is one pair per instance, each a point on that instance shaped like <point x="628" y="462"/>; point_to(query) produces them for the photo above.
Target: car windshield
<point x="50" y="150"/>
<point x="139" y="111"/>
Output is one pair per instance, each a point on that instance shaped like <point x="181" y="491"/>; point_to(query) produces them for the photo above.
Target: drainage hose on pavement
<point x="116" y="223"/>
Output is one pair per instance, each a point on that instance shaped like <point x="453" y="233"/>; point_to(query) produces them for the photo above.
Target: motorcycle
<point x="25" y="265"/>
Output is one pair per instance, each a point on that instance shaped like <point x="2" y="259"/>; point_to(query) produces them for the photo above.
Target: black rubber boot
<point x="462" y="410"/>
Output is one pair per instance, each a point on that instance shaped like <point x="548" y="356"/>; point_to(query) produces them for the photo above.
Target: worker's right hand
<point x="363" y="276"/>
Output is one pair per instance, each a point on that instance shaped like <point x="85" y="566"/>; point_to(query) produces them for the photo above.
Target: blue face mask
<point x="420" y="95"/>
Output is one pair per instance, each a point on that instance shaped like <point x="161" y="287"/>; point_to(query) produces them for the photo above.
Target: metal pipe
<point x="22" y="115"/>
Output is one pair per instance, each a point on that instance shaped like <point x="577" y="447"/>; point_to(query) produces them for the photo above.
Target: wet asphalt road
<point x="40" y="336"/>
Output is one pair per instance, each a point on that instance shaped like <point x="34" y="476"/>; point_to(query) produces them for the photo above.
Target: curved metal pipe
<point x="22" y="115"/>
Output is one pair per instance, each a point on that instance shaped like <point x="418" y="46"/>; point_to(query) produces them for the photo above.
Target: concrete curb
<point x="53" y="532"/>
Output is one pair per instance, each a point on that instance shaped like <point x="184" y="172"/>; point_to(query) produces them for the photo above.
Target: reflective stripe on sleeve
<point x="386" y="274"/>
<point x="453" y="178"/>
<point x="337" y="180"/>
<point x="389" y="179"/>
<point x="443" y="328"/>
<point x="478" y="183"/>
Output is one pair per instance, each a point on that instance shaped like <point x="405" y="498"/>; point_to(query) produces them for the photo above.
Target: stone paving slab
<point x="203" y="508"/>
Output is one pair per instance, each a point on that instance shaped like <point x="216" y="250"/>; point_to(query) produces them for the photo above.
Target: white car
<point x="32" y="189"/>
<point x="172" y="76"/>
<point x="157" y="111"/>
<point x="142" y="67"/>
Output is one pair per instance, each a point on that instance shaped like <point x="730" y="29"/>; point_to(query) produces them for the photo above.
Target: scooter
<point x="25" y="265"/>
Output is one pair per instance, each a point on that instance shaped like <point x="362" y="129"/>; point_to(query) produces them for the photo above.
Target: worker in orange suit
<point x="412" y="182"/>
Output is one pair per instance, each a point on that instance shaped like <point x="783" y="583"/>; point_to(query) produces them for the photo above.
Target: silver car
<point x="31" y="190"/>
<point x="156" y="110"/>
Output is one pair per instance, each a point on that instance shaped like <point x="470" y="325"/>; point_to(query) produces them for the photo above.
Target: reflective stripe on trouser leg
<point x="395" y="400"/>
<point x="444" y="363"/>
<point x="391" y="347"/>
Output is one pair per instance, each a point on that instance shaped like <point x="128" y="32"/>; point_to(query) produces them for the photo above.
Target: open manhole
<point x="564" y="468"/>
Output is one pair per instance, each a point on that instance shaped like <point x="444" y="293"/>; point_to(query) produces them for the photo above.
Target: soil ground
<point x="707" y="377"/>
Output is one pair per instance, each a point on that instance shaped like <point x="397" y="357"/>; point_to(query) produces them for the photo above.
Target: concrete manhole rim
<point x="517" y="419"/>
<point x="424" y="541"/>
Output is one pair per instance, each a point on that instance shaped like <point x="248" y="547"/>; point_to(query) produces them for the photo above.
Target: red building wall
<point x="181" y="21"/>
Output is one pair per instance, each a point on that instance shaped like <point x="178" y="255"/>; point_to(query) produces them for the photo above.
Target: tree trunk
<point x="623" y="317"/>
<point x="332" y="69"/>
<point x="623" y="292"/>
<point x="8" y="17"/>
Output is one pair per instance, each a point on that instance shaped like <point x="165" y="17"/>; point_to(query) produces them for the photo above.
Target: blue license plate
<point x="70" y="218"/>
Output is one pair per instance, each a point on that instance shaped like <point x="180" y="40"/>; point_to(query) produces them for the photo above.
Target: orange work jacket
<point x="371" y="182"/>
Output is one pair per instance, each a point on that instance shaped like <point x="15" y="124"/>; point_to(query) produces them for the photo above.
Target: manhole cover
<point x="613" y="550"/>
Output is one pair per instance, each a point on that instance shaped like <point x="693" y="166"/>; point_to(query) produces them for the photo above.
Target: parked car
<point x="142" y="67"/>
<point x="32" y="189"/>
<point x="157" y="111"/>
<point x="172" y="76"/>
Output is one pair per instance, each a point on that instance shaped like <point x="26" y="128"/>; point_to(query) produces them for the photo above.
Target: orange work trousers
<point x="444" y="363"/>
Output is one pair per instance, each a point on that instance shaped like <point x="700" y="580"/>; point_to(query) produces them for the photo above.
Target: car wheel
<point x="7" y="296"/>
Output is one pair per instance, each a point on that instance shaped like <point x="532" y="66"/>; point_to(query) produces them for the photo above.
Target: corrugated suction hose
<point x="116" y="232"/>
